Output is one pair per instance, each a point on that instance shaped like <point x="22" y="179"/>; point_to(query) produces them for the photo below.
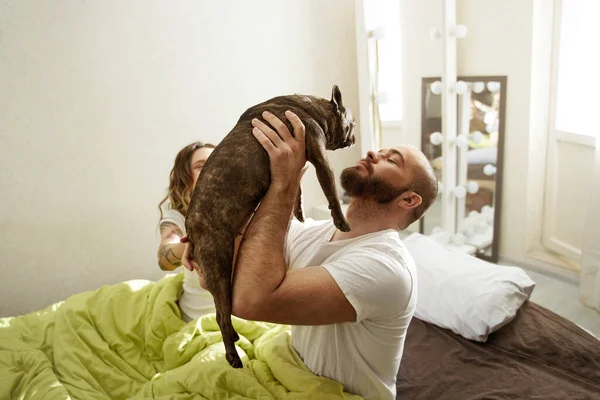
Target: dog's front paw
<point x="299" y="215"/>
<point x="342" y="225"/>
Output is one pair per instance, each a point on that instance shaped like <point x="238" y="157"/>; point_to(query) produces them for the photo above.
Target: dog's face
<point x="341" y="132"/>
<point x="348" y="123"/>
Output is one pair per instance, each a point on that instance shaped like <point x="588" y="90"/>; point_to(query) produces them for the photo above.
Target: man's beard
<point x="368" y="187"/>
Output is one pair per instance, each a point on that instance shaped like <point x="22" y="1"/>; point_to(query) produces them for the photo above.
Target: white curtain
<point x="590" y="263"/>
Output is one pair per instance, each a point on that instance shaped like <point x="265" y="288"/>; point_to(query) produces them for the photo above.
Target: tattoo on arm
<point x="169" y="225"/>
<point x="166" y="254"/>
<point x="167" y="259"/>
<point x="162" y="265"/>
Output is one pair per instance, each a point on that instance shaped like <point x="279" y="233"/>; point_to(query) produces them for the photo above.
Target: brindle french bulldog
<point x="235" y="178"/>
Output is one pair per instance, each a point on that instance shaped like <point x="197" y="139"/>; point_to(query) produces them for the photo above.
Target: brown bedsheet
<point x="539" y="355"/>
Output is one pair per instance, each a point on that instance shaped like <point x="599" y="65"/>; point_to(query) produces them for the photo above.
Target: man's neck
<point x="364" y="217"/>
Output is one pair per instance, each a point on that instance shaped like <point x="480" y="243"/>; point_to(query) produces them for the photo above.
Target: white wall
<point x="422" y="57"/>
<point x="97" y="98"/>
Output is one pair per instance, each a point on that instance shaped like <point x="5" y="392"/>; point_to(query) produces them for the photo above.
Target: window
<point x="577" y="64"/>
<point x="386" y="14"/>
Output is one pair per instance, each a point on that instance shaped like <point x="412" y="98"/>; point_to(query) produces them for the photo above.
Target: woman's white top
<point x="195" y="301"/>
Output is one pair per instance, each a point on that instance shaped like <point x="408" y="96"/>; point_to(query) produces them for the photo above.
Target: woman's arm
<point x="170" y="249"/>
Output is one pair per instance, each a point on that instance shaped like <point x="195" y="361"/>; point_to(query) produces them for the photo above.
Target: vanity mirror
<point x="481" y="109"/>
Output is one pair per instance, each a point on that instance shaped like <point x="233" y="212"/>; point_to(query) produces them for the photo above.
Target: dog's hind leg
<point x="222" y="296"/>
<point x="217" y="257"/>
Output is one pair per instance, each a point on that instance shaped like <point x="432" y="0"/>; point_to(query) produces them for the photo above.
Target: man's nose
<point x="372" y="156"/>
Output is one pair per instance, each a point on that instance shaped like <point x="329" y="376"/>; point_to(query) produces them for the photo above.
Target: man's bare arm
<point x="262" y="287"/>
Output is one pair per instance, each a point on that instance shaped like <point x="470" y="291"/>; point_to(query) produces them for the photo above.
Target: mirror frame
<point x="500" y="160"/>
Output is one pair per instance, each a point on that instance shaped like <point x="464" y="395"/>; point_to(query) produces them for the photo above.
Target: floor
<point x="562" y="297"/>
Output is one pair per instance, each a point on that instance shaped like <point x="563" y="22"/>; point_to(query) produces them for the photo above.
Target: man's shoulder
<point x="310" y="223"/>
<point x="300" y="233"/>
<point x="389" y="244"/>
<point x="385" y="257"/>
<point x="380" y="275"/>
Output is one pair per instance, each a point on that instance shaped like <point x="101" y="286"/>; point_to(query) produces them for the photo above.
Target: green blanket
<point x="127" y="341"/>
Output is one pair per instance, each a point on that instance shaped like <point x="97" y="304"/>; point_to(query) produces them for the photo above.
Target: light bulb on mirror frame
<point x="472" y="187"/>
<point x="435" y="33"/>
<point x="493" y="86"/>
<point x="460" y="31"/>
<point x="478" y="87"/>
<point x="436" y="88"/>
<point x="459" y="192"/>
<point x="377" y="33"/>
<point x="473" y="214"/>
<point x="489" y="169"/>
<point x="436" y="138"/>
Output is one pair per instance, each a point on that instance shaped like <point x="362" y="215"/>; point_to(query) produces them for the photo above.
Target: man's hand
<point x="287" y="153"/>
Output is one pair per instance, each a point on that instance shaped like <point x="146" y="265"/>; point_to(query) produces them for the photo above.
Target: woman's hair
<point x="180" y="179"/>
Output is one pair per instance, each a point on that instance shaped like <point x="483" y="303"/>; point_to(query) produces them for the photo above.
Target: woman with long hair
<point x="195" y="301"/>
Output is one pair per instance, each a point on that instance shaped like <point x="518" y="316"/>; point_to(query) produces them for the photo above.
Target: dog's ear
<point x="336" y="98"/>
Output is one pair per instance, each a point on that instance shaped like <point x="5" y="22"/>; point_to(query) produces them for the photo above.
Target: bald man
<point x="349" y="296"/>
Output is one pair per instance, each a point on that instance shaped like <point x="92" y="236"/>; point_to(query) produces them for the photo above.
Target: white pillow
<point x="460" y="292"/>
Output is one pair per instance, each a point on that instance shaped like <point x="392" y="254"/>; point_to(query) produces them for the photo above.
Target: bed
<point x="539" y="355"/>
<point x="475" y="335"/>
<point x="128" y="341"/>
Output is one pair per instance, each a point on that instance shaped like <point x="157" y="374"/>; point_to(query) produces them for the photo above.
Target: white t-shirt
<point x="195" y="301"/>
<point x="378" y="277"/>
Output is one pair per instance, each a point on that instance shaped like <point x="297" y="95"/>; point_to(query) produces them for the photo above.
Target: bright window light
<point x="577" y="104"/>
<point x="386" y="14"/>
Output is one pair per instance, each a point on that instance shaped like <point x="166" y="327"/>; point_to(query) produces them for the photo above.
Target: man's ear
<point x="409" y="200"/>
